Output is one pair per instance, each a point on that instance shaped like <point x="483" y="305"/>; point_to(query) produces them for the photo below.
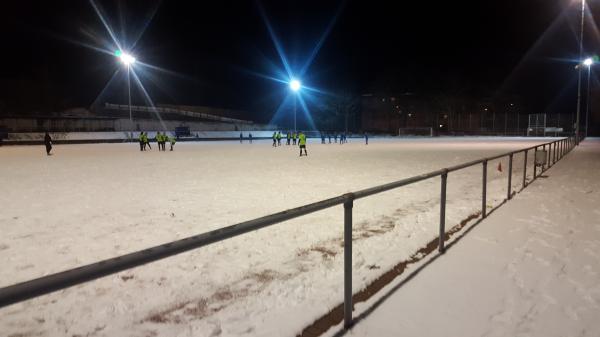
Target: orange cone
<point x="500" y="167"/>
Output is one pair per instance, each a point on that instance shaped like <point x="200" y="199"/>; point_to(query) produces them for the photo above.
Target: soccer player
<point x="158" y="140"/>
<point x="302" y="143"/>
<point x="274" y="138"/>
<point x="141" y="139"/>
<point x="172" y="140"/>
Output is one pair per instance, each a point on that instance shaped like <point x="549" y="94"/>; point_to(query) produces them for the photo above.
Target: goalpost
<point x="537" y="125"/>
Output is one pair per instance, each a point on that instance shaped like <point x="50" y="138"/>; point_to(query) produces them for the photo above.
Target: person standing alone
<point x="48" y="143"/>
<point x="302" y="143"/>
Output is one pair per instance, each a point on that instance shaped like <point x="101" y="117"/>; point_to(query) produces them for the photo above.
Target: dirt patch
<point x="126" y="278"/>
<point x="198" y="309"/>
<point x="264" y="276"/>
<point x="326" y="253"/>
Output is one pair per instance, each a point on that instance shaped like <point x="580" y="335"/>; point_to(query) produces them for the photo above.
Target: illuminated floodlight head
<point x="127" y="59"/>
<point x="588" y="61"/>
<point x="295" y="85"/>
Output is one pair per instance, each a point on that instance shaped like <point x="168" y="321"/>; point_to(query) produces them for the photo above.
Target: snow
<point x="532" y="268"/>
<point x="91" y="202"/>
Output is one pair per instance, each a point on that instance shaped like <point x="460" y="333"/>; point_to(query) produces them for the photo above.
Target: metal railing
<point x="47" y="284"/>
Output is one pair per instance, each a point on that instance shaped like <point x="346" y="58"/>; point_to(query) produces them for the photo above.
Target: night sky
<point x="212" y="50"/>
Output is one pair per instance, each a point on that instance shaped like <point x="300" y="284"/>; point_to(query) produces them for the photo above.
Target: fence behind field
<point x="546" y="155"/>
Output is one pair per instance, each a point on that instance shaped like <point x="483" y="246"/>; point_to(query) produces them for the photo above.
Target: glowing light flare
<point x="126" y="58"/>
<point x="588" y="61"/>
<point x="295" y="85"/>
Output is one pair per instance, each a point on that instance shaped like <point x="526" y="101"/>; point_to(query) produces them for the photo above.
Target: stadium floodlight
<point x="128" y="60"/>
<point x="295" y="85"/>
<point x="588" y="61"/>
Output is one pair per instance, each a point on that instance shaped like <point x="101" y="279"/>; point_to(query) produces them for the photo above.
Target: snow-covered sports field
<point x="91" y="202"/>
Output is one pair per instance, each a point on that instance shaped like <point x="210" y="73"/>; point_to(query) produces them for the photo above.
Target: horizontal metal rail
<point x="47" y="284"/>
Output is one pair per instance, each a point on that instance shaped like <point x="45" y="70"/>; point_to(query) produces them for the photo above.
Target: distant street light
<point x="588" y="62"/>
<point x="295" y="85"/>
<point x="128" y="60"/>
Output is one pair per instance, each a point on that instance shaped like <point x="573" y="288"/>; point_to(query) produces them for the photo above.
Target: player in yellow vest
<point x="158" y="140"/>
<point x="141" y="139"/>
<point x="172" y="141"/>
<point x="302" y="143"/>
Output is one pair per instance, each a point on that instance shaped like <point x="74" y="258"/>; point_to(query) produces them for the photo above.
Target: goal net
<point x="537" y="125"/>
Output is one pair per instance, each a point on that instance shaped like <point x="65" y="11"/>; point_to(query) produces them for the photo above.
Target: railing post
<point x="559" y="149"/>
<point x="534" y="163"/>
<point x="348" y="204"/>
<point x="525" y="170"/>
<point x="443" y="211"/>
<point x="483" y="196"/>
<point x="510" y="159"/>
<point x="554" y="155"/>
<point x="570" y="144"/>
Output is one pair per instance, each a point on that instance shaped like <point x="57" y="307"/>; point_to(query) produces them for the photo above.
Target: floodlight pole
<point x="129" y="100"/>
<point x="587" y="101"/>
<point x="295" y="106"/>
<point x="579" y="72"/>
